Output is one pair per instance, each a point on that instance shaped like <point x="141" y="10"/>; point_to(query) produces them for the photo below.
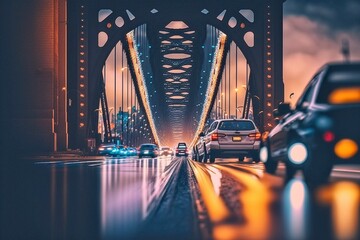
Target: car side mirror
<point x="201" y="134"/>
<point x="283" y="108"/>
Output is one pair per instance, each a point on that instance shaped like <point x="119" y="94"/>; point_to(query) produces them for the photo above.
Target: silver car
<point x="229" y="138"/>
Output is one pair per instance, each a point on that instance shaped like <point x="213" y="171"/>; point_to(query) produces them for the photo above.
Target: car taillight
<point x="328" y="136"/>
<point x="216" y="136"/>
<point x="255" y="136"/>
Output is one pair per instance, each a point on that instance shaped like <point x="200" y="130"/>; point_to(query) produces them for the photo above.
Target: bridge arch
<point x="123" y="17"/>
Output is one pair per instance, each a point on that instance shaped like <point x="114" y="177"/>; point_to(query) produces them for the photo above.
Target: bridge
<point x="141" y="71"/>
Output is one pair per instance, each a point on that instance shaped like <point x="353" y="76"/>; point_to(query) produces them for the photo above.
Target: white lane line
<point x="346" y="170"/>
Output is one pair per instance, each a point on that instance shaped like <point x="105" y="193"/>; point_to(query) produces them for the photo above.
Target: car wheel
<point x="317" y="170"/>
<point x="241" y="159"/>
<point x="205" y="157"/>
<point x="269" y="163"/>
<point x="290" y="172"/>
<point x="211" y="158"/>
<point x="255" y="157"/>
<point x="200" y="158"/>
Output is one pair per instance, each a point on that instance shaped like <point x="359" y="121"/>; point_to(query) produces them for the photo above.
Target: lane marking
<point x="217" y="210"/>
<point x="255" y="199"/>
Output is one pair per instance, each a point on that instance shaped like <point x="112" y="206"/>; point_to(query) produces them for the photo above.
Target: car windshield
<point x="236" y="125"/>
<point x="340" y="87"/>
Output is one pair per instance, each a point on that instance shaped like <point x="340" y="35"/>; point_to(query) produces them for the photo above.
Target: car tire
<point x="205" y="157"/>
<point x="317" y="170"/>
<point x="270" y="164"/>
<point x="290" y="172"/>
<point x="255" y="157"/>
<point x="200" y="158"/>
<point x="211" y="158"/>
<point x="241" y="159"/>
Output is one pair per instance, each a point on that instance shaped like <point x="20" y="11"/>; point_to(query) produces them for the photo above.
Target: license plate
<point x="236" y="139"/>
<point x="146" y="151"/>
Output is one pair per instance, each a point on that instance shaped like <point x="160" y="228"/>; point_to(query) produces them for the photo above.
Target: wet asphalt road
<point x="171" y="198"/>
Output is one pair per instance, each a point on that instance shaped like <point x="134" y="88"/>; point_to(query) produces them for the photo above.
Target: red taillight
<point x="328" y="136"/>
<point x="216" y="136"/>
<point x="255" y="136"/>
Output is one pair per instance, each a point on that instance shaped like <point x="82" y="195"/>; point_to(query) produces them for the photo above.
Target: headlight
<point x="264" y="154"/>
<point x="297" y="153"/>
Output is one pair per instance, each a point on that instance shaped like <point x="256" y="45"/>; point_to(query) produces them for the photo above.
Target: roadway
<point x="74" y="197"/>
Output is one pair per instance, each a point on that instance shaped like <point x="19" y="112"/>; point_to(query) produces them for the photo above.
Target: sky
<point x="313" y="33"/>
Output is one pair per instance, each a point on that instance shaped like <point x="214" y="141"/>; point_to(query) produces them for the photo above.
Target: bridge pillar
<point x="33" y="65"/>
<point x="273" y="86"/>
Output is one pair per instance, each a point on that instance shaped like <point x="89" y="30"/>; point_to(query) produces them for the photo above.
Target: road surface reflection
<point x="129" y="192"/>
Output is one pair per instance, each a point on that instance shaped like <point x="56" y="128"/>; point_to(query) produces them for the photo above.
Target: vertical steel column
<point x="115" y="113"/>
<point x="122" y="96"/>
<point x="229" y="89"/>
<point x="236" y="81"/>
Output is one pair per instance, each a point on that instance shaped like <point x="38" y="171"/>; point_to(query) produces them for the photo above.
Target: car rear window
<point x="340" y="87"/>
<point x="147" y="147"/>
<point x="236" y="125"/>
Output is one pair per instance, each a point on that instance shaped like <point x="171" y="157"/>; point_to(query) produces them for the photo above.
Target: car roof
<point x="234" y="119"/>
<point x="342" y="64"/>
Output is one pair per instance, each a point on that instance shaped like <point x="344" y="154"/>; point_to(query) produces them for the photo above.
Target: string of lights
<point x="213" y="78"/>
<point x="141" y="83"/>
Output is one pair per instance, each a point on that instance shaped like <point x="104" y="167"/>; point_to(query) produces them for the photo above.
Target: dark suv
<point x="149" y="150"/>
<point x="322" y="130"/>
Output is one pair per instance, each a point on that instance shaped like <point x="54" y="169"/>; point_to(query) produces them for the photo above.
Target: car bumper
<point x="233" y="150"/>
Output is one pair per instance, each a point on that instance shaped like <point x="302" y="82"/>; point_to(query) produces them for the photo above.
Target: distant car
<point x="108" y="149"/>
<point x="182" y="150"/>
<point x="131" y="151"/>
<point x="322" y="130"/>
<point x="166" y="151"/>
<point x="148" y="149"/>
<point x="121" y="150"/>
<point x="229" y="138"/>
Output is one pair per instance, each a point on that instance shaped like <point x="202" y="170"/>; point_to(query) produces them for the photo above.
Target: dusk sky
<point x="313" y="32"/>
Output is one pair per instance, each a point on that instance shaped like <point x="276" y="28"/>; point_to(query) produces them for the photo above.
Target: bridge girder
<point x="264" y="57"/>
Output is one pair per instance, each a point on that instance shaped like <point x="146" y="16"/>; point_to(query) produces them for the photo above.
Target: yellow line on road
<point x="255" y="200"/>
<point x="217" y="210"/>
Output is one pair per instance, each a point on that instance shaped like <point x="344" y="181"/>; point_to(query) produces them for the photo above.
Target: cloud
<point x="308" y="45"/>
<point x="339" y="15"/>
